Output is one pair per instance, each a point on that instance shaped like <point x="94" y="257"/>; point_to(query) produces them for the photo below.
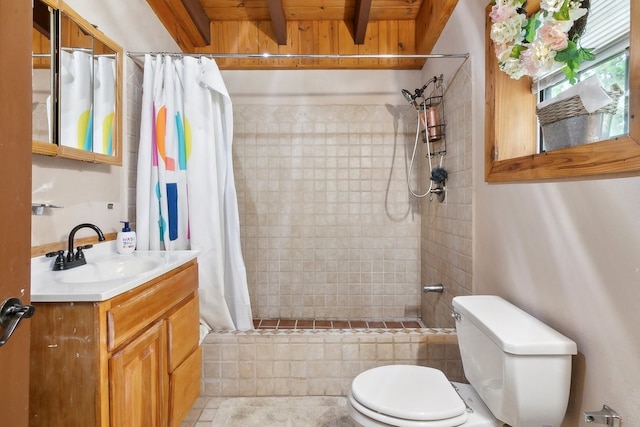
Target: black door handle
<point x="12" y="312"/>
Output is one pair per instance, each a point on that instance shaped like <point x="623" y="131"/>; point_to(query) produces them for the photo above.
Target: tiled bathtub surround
<point x="328" y="228"/>
<point x="317" y="362"/>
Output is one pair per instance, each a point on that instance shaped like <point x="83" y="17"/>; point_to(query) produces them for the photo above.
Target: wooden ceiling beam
<point x="199" y="18"/>
<point x="278" y="21"/>
<point x="180" y="24"/>
<point x="384" y="26"/>
<point x="42" y="19"/>
<point x="360" y="20"/>
<point x="431" y="20"/>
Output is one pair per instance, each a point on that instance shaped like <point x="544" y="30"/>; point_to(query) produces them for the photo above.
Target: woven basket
<point x="572" y="107"/>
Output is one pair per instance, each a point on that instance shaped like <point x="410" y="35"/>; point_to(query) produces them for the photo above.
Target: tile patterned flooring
<point x="205" y="408"/>
<point x="203" y="411"/>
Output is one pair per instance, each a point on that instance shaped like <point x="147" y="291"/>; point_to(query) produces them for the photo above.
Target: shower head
<point x="407" y="95"/>
<point x="411" y="99"/>
<point x="419" y="92"/>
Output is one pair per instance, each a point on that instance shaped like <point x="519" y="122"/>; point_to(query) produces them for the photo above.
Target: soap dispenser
<point x="126" y="239"/>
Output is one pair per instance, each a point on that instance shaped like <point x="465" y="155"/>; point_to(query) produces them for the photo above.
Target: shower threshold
<point x="335" y="324"/>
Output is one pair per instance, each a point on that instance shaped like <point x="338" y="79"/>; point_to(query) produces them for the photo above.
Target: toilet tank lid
<point x="511" y="328"/>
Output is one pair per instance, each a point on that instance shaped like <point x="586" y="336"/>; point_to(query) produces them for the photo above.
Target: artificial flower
<point x="554" y="35"/>
<point x="551" y="5"/>
<point x="509" y="30"/>
<point x="540" y="43"/>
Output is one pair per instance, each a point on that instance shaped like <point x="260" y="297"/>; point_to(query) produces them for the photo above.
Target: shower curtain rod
<point x="302" y="56"/>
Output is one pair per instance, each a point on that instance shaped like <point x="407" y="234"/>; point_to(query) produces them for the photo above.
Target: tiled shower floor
<point x="334" y="324"/>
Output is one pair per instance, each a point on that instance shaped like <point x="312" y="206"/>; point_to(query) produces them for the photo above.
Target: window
<point x="607" y="33"/>
<point x="511" y="147"/>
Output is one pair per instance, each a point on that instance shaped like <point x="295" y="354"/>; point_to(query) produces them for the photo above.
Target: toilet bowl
<point x="414" y="396"/>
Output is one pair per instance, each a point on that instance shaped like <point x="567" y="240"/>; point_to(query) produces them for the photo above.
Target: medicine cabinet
<point x="511" y="127"/>
<point x="77" y="78"/>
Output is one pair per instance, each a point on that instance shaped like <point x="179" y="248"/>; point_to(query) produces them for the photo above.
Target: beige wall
<point x="567" y="252"/>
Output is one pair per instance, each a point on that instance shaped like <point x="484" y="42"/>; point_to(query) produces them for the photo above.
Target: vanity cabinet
<point x="133" y="360"/>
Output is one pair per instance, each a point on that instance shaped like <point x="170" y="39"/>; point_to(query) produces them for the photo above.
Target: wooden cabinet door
<point x="139" y="381"/>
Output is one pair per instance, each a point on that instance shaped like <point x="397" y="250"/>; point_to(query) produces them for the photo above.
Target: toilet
<point x="519" y="370"/>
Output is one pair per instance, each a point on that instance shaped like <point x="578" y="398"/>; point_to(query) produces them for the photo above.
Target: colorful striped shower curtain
<point x="186" y="197"/>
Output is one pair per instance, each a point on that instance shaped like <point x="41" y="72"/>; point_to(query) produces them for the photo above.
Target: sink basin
<point x="107" y="273"/>
<point x="113" y="268"/>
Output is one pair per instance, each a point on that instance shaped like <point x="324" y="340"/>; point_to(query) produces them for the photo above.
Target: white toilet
<point x="519" y="370"/>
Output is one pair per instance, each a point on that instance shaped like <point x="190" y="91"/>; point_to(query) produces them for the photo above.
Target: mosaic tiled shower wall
<point x="446" y="229"/>
<point x="328" y="228"/>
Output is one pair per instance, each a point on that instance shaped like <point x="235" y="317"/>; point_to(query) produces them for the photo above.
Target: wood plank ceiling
<point x="307" y="27"/>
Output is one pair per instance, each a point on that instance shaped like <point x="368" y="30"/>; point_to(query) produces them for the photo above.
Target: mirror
<point x="511" y="127"/>
<point x="85" y="118"/>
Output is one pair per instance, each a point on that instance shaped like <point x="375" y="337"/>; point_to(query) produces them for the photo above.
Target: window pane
<point x="607" y="33"/>
<point x="614" y="70"/>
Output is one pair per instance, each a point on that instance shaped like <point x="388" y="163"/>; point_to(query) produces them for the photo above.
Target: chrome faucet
<point x="74" y="259"/>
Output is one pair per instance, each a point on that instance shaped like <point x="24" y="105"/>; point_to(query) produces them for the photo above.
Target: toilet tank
<point x="520" y="367"/>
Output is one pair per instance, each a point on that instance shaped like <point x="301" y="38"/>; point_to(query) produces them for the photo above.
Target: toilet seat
<point x="407" y="396"/>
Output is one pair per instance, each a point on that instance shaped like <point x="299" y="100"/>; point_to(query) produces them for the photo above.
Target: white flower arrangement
<point x="540" y="43"/>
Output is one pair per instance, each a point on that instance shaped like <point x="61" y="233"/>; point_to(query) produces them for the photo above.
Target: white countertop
<point x="51" y="286"/>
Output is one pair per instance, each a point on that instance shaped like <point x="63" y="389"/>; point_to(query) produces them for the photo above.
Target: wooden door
<point x="15" y="200"/>
<point x="138" y="381"/>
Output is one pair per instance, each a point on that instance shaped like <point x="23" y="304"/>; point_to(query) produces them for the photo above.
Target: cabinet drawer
<point x="184" y="332"/>
<point x="184" y="387"/>
<point x="133" y="311"/>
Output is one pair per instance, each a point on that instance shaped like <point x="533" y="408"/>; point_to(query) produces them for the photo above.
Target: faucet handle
<point x="59" y="263"/>
<point x="79" y="254"/>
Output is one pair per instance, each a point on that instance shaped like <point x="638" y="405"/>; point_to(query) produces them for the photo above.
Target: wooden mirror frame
<point x="74" y="153"/>
<point x="42" y="147"/>
<point x="511" y="126"/>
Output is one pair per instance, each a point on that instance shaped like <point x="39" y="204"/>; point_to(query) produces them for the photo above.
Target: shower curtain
<point x="186" y="197"/>
<point x="75" y="100"/>
<point x="104" y="104"/>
